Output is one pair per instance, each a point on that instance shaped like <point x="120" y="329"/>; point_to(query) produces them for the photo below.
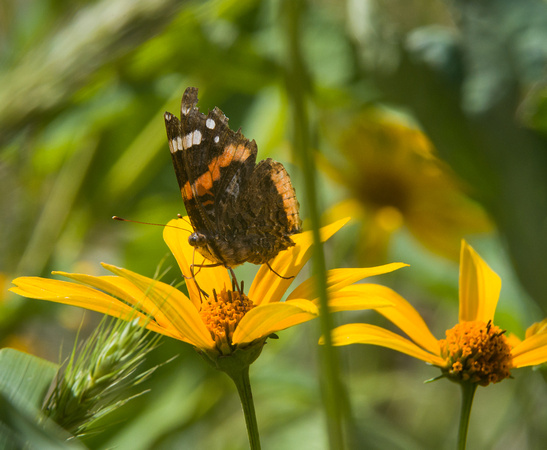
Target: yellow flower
<point x="218" y="320"/>
<point x="395" y="180"/>
<point x="475" y="350"/>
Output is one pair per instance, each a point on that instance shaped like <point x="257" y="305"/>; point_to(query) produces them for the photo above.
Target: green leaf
<point x="18" y="430"/>
<point x="24" y="382"/>
<point x="25" y="379"/>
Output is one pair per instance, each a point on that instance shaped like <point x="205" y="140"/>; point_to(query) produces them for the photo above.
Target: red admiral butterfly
<point x="240" y="210"/>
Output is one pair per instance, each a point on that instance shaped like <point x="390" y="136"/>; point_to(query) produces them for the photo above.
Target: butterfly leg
<point x="235" y="284"/>
<point x="193" y="276"/>
<point x="280" y="276"/>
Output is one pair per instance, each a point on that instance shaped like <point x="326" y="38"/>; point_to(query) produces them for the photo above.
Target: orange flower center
<point x="476" y="352"/>
<point x="221" y="315"/>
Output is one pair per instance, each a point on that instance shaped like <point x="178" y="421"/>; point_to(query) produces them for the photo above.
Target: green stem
<point x="468" y="392"/>
<point x="243" y="385"/>
<point x="297" y="86"/>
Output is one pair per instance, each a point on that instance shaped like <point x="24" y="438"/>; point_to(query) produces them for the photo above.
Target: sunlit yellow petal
<point x="531" y="351"/>
<point x="339" y="278"/>
<point x="267" y="319"/>
<point x="537" y="328"/>
<point x="175" y="305"/>
<point x="71" y="294"/>
<point x="360" y="333"/>
<point x="479" y="287"/>
<point x="175" y="235"/>
<point x="268" y="287"/>
<point x="355" y="298"/>
<point x="84" y="297"/>
<point x="513" y="340"/>
<point x="124" y="290"/>
<point x="532" y="358"/>
<point x="403" y="315"/>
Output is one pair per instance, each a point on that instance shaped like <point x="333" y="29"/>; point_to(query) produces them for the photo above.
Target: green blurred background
<point x="428" y="120"/>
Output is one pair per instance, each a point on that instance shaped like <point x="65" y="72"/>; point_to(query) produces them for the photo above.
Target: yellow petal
<point x="537" y="328"/>
<point x="71" y="294"/>
<point x="339" y="278"/>
<point x="356" y="298"/>
<point x="513" y="340"/>
<point x="361" y="333"/>
<point x="175" y="235"/>
<point x="122" y="289"/>
<point x="403" y="315"/>
<point x="81" y="296"/>
<point x="531" y="351"/>
<point x="267" y="319"/>
<point x="479" y="287"/>
<point x="178" y="309"/>
<point x="268" y="287"/>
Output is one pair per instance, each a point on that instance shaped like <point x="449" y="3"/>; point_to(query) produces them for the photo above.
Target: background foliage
<point x="83" y="88"/>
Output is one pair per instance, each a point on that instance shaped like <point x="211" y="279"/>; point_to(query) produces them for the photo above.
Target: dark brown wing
<point x="261" y="210"/>
<point x="270" y="198"/>
<point x="264" y="216"/>
<point x="207" y="155"/>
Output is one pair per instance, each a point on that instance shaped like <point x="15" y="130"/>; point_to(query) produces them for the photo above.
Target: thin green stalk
<point x="468" y="393"/>
<point x="297" y="86"/>
<point x="243" y="385"/>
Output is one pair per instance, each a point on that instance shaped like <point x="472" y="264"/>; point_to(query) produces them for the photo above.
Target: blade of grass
<point x="297" y="84"/>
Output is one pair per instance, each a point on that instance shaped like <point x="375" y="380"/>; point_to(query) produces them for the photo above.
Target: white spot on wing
<point x="179" y="143"/>
<point x="197" y="138"/>
<point x="216" y="139"/>
<point x="210" y="123"/>
<point x="187" y="141"/>
<point x="185" y="110"/>
<point x="173" y="145"/>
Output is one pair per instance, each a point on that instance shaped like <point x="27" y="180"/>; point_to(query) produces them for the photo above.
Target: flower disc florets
<point x="476" y="352"/>
<point x="221" y="314"/>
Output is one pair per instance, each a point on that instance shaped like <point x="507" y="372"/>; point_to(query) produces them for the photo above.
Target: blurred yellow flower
<point x="395" y="180"/>
<point x="475" y="350"/>
<point x="215" y="318"/>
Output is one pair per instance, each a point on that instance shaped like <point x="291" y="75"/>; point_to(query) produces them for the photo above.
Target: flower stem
<point x="468" y="392"/>
<point x="243" y="385"/>
<point x="298" y="84"/>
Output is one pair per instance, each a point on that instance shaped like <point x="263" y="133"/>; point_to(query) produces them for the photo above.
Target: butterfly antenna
<point x="180" y="216"/>
<point x="121" y="219"/>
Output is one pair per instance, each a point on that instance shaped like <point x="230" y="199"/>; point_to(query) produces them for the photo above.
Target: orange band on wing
<point x="202" y="187"/>
<point x="204" y="183"/>
<point x="186" y="191"/>
<point x="284" y="187"/>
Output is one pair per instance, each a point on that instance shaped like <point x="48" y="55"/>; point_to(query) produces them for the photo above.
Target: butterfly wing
<point x="189" y="154"/>
<point x="240" y="211"/>
<point x="260" y="213"/>
<point x="210" y="161"/>
<point x="206" y="155"/>
<point x="270" y="198"/>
